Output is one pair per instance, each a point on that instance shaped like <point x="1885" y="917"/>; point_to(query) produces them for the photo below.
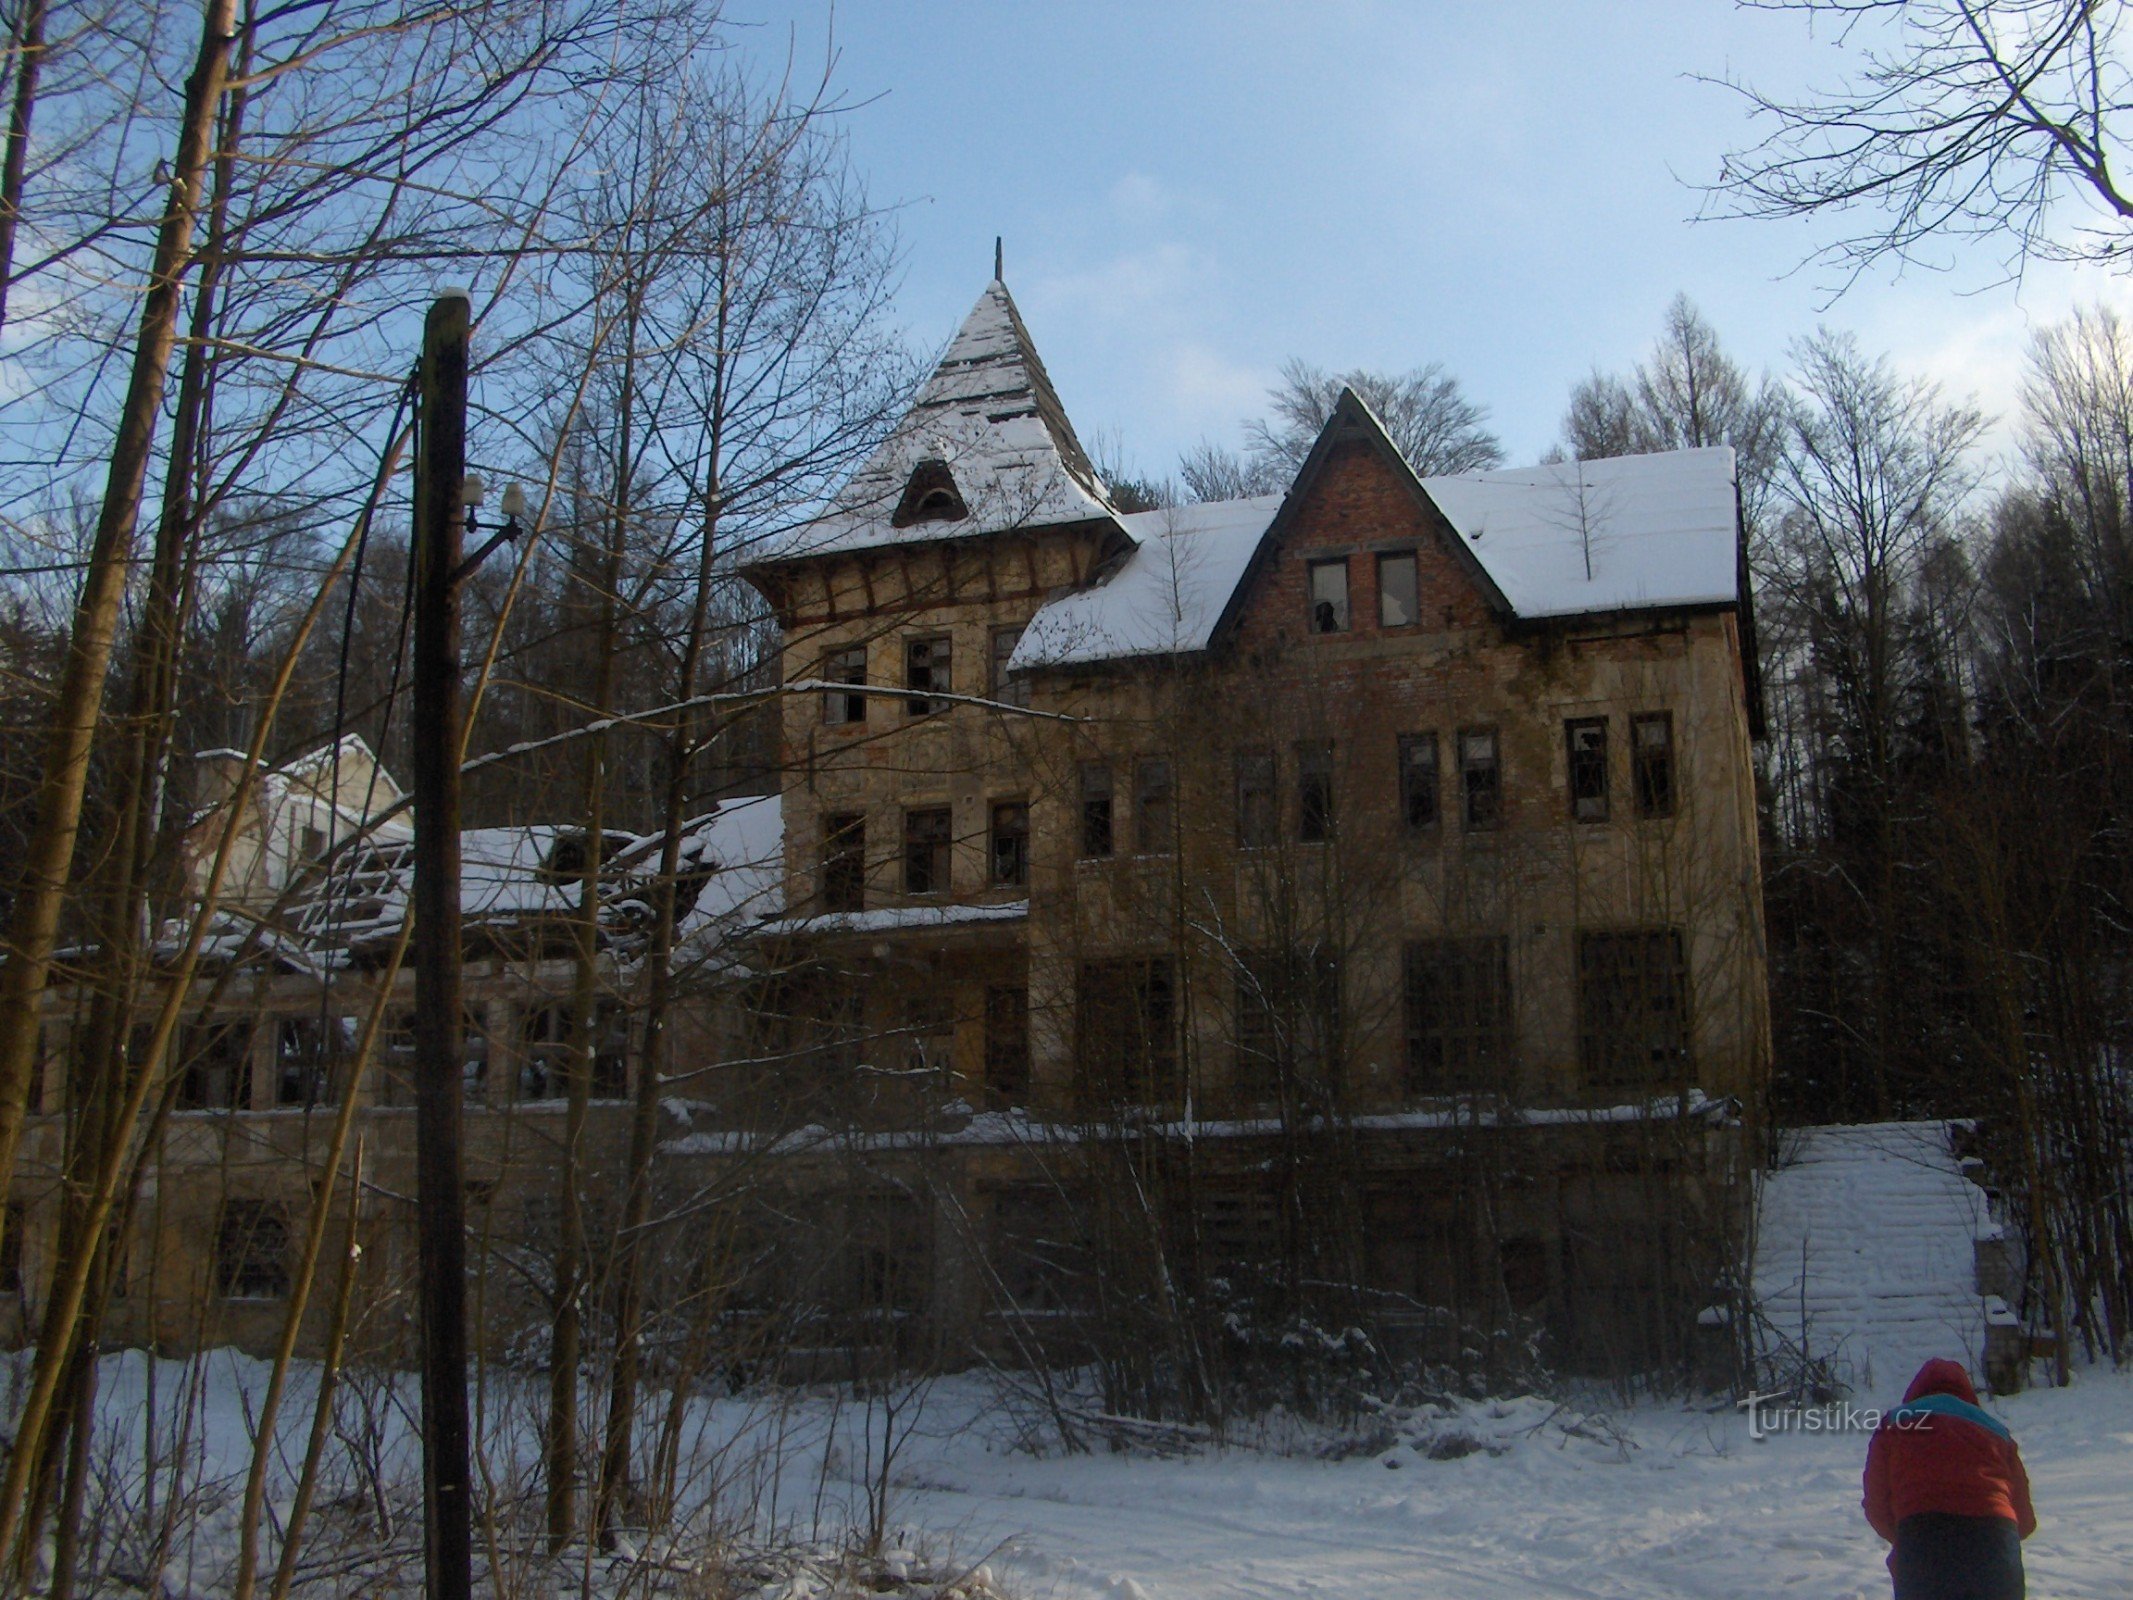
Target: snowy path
<point x="1885" y="1222"/>
<point x="1694" y="1509"/>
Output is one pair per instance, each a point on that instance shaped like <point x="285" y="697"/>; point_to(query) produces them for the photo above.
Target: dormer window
<point x="930" y="496"/>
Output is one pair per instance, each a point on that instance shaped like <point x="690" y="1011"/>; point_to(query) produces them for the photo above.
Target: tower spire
<point x="998" y="275"/>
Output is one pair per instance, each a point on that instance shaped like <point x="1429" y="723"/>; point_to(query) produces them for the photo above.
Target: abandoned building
<point x="1357" y="885"/>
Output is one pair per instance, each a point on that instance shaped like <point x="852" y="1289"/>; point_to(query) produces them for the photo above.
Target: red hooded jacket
<point x="1939" y="1452"/>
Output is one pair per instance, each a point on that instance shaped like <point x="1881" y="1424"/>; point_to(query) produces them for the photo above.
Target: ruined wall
<point x="1536" y="878"/>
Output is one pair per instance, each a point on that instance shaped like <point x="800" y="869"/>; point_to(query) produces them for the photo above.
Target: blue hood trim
<point x="1946" y="1405"/>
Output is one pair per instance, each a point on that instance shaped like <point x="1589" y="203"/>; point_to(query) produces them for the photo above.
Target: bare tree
<point x="1437" y="428"/>
<point x="1876" y="483"/>
<point x="1688" y="394"/>
<point x="1993" y="120"/>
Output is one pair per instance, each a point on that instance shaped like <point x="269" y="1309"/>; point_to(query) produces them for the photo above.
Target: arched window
<point x="930" y="496"/>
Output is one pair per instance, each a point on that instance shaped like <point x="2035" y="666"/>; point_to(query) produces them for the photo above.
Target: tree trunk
<point x="34" y="919"/>
<point x="28" y="46"/>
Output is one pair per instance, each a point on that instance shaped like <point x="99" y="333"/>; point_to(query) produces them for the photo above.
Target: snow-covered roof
<point x="732" y="856"/>
<point x="742" y="846"/>
<point x="895" y="919"/>
<point x="1634" y="533"/>
<point x="1165" y="598"/>
<point x="990" y="414"/>
<point x="1631" y="533"/>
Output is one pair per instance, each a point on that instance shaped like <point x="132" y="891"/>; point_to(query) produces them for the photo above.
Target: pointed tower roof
<point x="985" y="448"/>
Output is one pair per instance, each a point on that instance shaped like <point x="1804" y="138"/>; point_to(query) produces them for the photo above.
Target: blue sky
<point x="1192" y="192"/>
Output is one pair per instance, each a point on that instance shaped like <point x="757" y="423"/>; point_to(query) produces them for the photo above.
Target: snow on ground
<point x="1880" y="1222"/>
<point x="1587" y="1500"/>
<point x="1655" y="1501"/>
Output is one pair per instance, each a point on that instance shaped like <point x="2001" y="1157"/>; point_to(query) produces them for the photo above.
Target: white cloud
<point x="1204" y="385"/>
<point x="1139" y="198"/>
<point x="1976" y="347"/>
<point x="1130" y="283"/>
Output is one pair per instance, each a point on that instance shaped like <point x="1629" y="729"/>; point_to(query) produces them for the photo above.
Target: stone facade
<point x="1286" y="869"/>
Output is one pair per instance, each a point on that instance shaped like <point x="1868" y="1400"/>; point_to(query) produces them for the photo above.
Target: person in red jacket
<point x="1945" y="1487"/>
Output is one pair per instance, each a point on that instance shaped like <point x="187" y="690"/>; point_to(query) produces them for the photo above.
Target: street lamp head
<point x="472" y="491"/>
<point x="514" y="502"/>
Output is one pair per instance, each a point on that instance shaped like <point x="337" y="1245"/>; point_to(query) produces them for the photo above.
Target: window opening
<point x="1256" y="807"/>
<point x="1418" y="781"/>
<point x="928" y="671"/>
<point x="1329" y="595"/>
<point x="1126" y="1032"/>
<point x="1585" y="743"/>
<point x="1651" y="738"/>
<point x="1007" y="1040"/>
<point x="1480" y="778"/>
<point x="1314" y="791"/>
<point x="928" y="838"/>
<point x="1399" y="590"/>
<point x="1153" y="814"/>
<point x="998" y="685"/>
<point x="252" y="1250"/>
<point x="930" y="495"/>
<point x="1633" y="1008"/>
<point x="1010" y="843"/>
<point x="1458" y="1014"/>
<point x="844" y="862"/>
<point x="1096" y="836"/>
<point x="844" y="706"/>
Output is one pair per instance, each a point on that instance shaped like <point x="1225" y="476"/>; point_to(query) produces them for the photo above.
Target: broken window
<point x="1399" y="590"/>
<point x="1329" y="595"/>
<point x="1153" y="816"/>
<point x="396" y="1055"/>
<point x="1314" y="791"/>
<point x="929" y="1032"/>
<point x="844" y="862"/>
<point x="544" y="1053"/>
<point x="1458" y="1014"/>
<point x="998" y="685"/>
<point x="928" y="671"/>
<point x="886" y="1251"/>
<point x="841" y="706"/>
<point x="1007" y="1040"/>
<point x="307" y="1056"/>
<point x="1651" y="742"/>
<point x="1480" y="778"/>
<point x="929" y="836"/>
<point x="1585" y="745"/>
<point x="1633" y="1012"/>
<point x="1039" y="1250"/>
<point x="252" y="1250"/>
<point x="1256" y="805"/>
<point x="215" y="1063"/>
<point x="1010" y="843"/>
<point x="1418" y="782"/>
<point x="1126" y="1045"/>
<point x="474" y="1055"/>
<point x="1287" y="1020"/>
<point x="548" y="1037"/>
<point x="1095" y="809"/>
